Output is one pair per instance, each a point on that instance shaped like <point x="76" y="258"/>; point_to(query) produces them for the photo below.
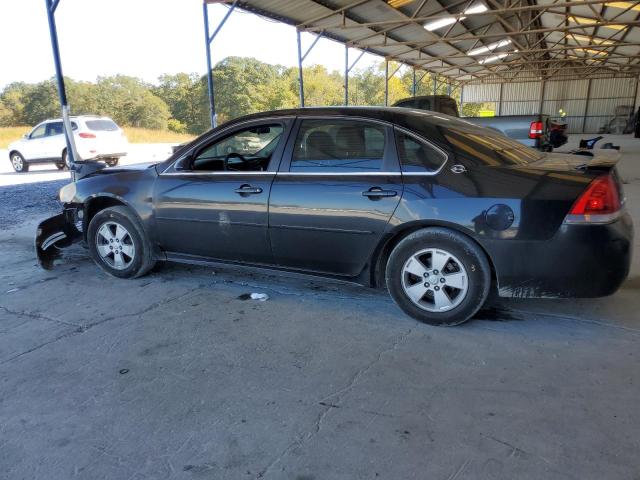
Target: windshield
<point x="491" y="148"/>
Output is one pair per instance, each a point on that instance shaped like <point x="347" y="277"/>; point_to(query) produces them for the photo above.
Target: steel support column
<point x="72" y="154"/>
<point x="300" y="75"/>
<point x="435" y="84"/>
<point x="413" y="88"/>
<point x="208" y="40"/>
<point x="586" y="106"/>
<point x="347" y="69"/>
<point x="301" y="58"/>
<point x="386" y="82"/>
<point x="388" y="77"/>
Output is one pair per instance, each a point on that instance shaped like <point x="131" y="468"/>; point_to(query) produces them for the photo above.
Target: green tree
<point x="183" y="94"/>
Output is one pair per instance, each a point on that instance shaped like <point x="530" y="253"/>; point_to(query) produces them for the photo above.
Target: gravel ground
<point x="20" y="203"/>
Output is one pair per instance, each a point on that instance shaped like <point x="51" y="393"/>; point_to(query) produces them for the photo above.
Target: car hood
<point x="125" y="168"/>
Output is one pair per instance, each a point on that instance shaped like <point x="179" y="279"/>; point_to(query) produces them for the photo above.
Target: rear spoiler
<point x="602" y="159"/>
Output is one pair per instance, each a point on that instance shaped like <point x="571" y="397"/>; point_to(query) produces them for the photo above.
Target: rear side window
<point x="101" y="125"/>
<point x="490" y="148"/>
<point x="418" y="156"/>
<point x="338" y="146"/>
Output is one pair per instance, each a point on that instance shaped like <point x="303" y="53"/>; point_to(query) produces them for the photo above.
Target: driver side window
<point x="246" y="150"/>
<point x="38" y="132"/>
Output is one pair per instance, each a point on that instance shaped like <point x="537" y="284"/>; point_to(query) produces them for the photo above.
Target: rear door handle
<point x="377" y="192"/>
<point x="248" y="190"/>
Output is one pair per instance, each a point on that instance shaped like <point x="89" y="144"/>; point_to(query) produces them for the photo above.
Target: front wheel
<point x="18" y="163"/>
<point x="111" y="162"/>
<point x="438" y="276"/>
<point x="118" y="243"/>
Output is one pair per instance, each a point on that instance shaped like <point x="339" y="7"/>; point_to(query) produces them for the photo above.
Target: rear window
<point x="490" y="148"/>
<point x="102" y="125"/>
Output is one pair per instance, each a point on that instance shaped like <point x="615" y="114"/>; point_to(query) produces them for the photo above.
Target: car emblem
<point x="458" y="168"/>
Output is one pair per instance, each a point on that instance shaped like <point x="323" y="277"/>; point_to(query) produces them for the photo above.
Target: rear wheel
<point x="438" y="276"/>
<point x="118" y="243"/>
<point x="18" y="163"/>
<point x="63" y="162"/>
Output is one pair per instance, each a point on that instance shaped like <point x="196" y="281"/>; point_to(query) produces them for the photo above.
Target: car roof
<point x="78" y="117"/>
<point x="405" y="117"/>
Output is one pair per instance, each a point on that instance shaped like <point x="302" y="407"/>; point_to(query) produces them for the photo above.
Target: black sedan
<point x="438" y="210"/>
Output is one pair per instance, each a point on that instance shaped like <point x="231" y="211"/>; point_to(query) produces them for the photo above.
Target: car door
<point x="332" y="199"/>
<point x="53" y="142"/>
<point x="33" y="145"/>
<point x="213" y="202"/>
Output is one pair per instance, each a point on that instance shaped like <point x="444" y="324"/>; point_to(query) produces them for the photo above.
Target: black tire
<point x="63" y="163"/>
<point x="142" y="260"/>
<point x="112" y="162"/>
<point x="18" y="162"/>
<point x="465" y="250"/>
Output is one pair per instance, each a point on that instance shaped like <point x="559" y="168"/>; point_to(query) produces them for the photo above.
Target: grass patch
<point x="11" y="134"/>
<point x="144" y="135"/>
<point x="135" y="135"/>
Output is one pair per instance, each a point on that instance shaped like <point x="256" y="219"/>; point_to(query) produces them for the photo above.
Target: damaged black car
<point x="439" y="211"/>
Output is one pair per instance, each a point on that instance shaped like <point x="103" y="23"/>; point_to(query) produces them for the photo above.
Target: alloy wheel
<point x="16" y="161"/>
<point x="115" y="245"/>
<point x="435" y="280"/>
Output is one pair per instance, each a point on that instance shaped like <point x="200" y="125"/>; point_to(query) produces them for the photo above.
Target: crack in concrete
<point x="317" y="425"/>
<point x="83" y="328"/>
<point x="37" y="316"/>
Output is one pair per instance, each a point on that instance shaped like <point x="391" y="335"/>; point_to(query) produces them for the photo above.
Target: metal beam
<point x="72" y="153"/>
<point x="307" y="25"/>
<point x="208" y="39"/>
<point x="347" y="69"/>
<point x="301" y="58"/>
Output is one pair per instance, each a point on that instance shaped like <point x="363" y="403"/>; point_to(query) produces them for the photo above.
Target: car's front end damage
<point x="106" y="187"/>
<point x="55" y="234"/>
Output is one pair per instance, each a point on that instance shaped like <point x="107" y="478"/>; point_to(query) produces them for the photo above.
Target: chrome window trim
<point x="339" y="174"/>
<point x="199" y="173"/>
<point x="420" y="138"/>
<point x="222" y="132"/>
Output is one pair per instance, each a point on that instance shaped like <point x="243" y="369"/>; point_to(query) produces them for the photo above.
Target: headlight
<point x="67" y="193"/>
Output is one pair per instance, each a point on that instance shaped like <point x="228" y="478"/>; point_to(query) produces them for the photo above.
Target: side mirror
<point x="26" y="135"/>
<point x="184" y="163"/>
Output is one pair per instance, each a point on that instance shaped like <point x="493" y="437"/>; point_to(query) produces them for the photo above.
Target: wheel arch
<point x="392" y="238"/>
<point x="99" y="202"/>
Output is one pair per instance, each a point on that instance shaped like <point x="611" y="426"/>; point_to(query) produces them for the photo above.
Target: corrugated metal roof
<point x="544" y="38"/>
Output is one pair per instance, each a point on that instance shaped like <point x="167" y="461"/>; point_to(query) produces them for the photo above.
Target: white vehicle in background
<point x="96" y="138"/>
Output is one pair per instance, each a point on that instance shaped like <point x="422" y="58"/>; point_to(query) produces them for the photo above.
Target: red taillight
<point x="86" y="135"/>
<point x="536" y="129"/>
<point x="600" y="198"/>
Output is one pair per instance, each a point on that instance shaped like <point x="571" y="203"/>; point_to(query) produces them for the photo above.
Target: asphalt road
<point x="178" y="375"/>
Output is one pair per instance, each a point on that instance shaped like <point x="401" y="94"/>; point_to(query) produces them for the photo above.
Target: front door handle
<point x="248" y="190"/>
<point x="377" y="192"/>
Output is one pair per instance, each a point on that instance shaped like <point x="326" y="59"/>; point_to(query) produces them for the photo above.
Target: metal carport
<point x="482" y="45"/>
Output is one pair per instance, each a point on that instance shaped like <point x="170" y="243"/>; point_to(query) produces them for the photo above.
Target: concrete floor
<point x="174" y="376"/>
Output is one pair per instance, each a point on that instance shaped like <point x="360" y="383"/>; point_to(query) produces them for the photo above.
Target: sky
<point x="144" y="38"/>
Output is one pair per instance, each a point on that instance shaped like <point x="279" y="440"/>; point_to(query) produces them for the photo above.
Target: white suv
<point x="96" y="138"/>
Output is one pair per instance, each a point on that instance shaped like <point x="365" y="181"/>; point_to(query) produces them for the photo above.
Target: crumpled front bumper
<point x="55" y="234"/>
